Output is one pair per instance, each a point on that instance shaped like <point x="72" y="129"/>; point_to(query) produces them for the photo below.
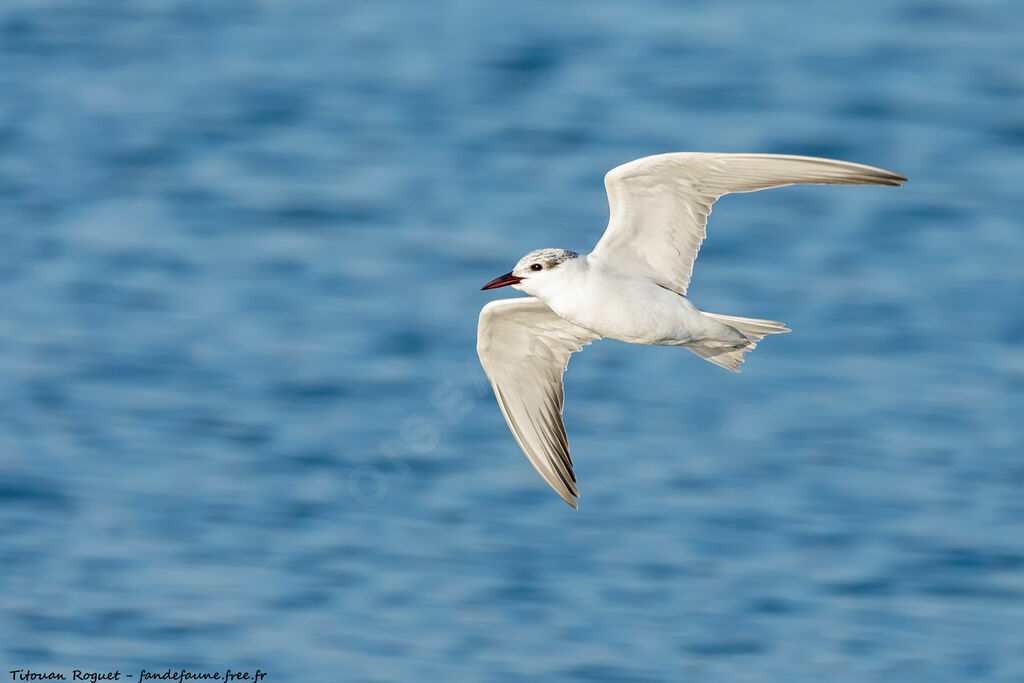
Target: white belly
<point x="635" y="311"/>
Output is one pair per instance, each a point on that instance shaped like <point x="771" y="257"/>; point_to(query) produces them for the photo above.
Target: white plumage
<point x="630" y="287"/>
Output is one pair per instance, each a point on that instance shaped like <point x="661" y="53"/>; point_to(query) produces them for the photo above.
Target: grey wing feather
<point x="659" y="204"/>
<point x="524" y="348"/>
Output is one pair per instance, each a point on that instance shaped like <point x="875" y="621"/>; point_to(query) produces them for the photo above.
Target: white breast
<point x="628" y="309"/>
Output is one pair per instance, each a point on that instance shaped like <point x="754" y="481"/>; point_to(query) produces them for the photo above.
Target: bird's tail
<point x="729" y="356"/>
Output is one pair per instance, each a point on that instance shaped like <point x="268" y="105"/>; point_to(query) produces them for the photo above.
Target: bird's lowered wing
<point x="659" y="204"/>
<point x="524" y="348"/>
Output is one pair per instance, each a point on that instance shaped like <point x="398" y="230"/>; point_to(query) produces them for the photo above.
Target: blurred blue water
<point x="241" y="418"/>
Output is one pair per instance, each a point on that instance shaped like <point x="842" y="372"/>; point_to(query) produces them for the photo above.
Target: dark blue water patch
<point x="23" y="35"/>
<point x="205" y="130"/>
<point x="14" y="524"/>
<point x="522" y="67"/>
<point x="965" y="590"/>
<point x="607" y="673"/>
<point x="775" y="606"/>
<point x="718" y="97"/>
<point x="937" y="15"/>
<point x="726" y="247"/>
<point x="150" y="629"/>
<point x="243" y="433"/>
<point x="18" y="491"/>
<point x="201" y="17"/>
<point x="263" y="106"/>
<point x="130" y="366"/>
<point x="860" y="647"/>
<point x="536" y="139"/>
<point x="409" y="343"/>
<point x="183" y="200"/>
<point x="842" y="437"/>
<point x="889" y="55"/>
<point x="326" y="216"/>
<point x="742" y="521"/>
<point x="690" y="483"/>
<point x="383" y="646"/>
<point x="310" y="459"/>
<point x="128" y="261"/>
<point x="116" y="621"/>
<point x="683" y="51"/>
<point x="1010" y="133"/>
<point x="115" y="296"/>
<point x="100" y="572"/>
<point x="299" y="512"/>
<point x="277" y="162"/>
<point x="827" y="540"/>
<point x="349" y="560"/>
<point x="44" y="249"/>
<point x="866" y="587"/>
<point x="330" y="216"/>
<point x="868" y="110"/>
<point x="311" y="391"/>
<point x="1012" y="331"/>
<point x="130" y="160"/>
<point x="30" y="653"/>
<point x="969" y="560"/>
<point x="282" y="267"/>
<point x="47" y="394"/>
<point x="10" y="137"/>
<point x="975" y="666"/>
<point x="69" y="37"/>
<point x="727" y="648"/>
<point x="220" y="512"/>
<point x="526" y="496"/>
<point x="521" y="590"/>
<point x="901" y="226"/>
<point x="301" y="600"/>
<point x="888" y="333"/>
<point x="37" y="622"/>
<point x="13" y="191"/>
<point x="427" y="468"/>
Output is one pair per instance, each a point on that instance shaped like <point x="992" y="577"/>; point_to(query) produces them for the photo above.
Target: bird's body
<point x="627" y="308"/>
<point x="631" y="288"/>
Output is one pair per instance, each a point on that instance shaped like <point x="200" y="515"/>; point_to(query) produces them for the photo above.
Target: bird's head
<point x="538" y="270"/>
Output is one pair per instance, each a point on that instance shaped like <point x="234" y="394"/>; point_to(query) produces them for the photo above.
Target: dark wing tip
<point x="890" y="178"/>
<point x="880" y="177"/>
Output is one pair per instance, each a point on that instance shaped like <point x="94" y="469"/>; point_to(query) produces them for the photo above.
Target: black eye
<point x="536" y="266"/>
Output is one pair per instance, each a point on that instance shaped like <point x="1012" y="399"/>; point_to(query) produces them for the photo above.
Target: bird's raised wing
<point x="660" y="204"/>
<point x="524" y="348"/>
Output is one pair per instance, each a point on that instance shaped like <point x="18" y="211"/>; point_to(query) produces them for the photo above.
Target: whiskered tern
<point x="631" y="287"/>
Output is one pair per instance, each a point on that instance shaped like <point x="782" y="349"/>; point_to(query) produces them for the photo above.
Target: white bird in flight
<point x="631" y="287"/>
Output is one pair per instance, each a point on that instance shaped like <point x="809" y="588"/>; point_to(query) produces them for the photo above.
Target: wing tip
<point x="894" y="179"/>
<point x="879" y="177"/>
<point x="569" y="496"/>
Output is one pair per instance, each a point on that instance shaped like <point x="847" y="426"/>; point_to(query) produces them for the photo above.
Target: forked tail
<point x="729" y="356"/>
